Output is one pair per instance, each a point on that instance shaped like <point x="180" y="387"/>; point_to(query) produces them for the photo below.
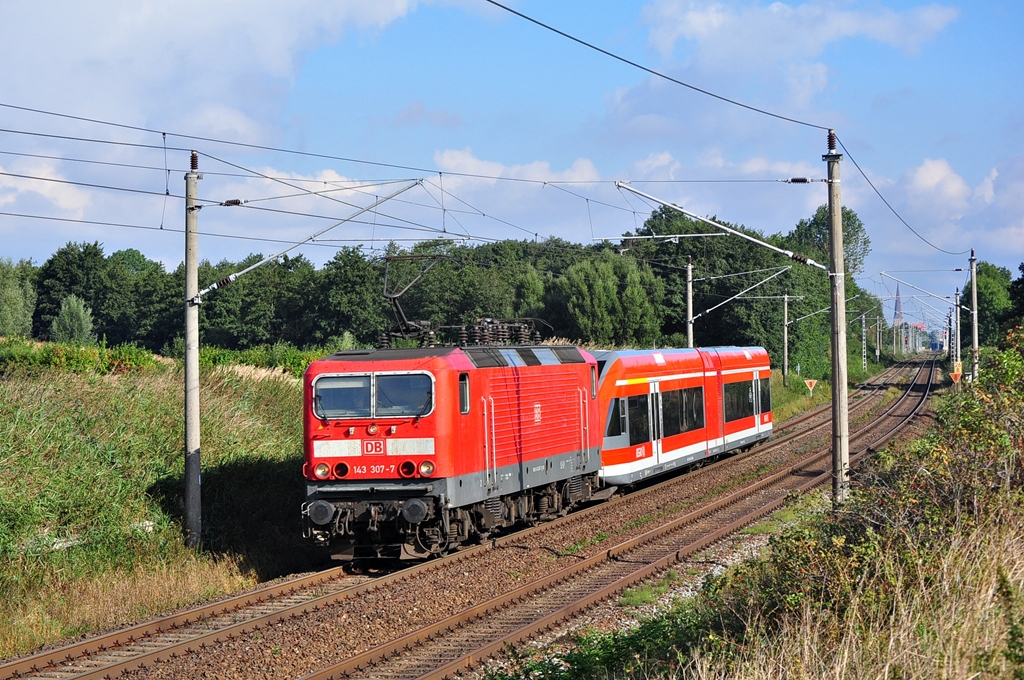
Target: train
<point x="410" y="453"/>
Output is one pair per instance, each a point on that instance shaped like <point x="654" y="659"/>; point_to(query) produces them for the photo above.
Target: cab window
<point x="342" y="397"/>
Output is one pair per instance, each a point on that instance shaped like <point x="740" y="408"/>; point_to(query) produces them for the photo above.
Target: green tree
<point x="17" y="297"/>
<point x="1016" y="292"/>
<point x="811" y="239"/>
<point x="73" y="323"/>
<point x="75" y="269"/>
<point x="995" y="306"/>
<point x="346" y="296"/>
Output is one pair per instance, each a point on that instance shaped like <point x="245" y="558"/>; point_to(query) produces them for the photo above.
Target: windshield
<point x="342" y="397"/>
<point x="403" y="395"/>
<point x="348" y="396"/>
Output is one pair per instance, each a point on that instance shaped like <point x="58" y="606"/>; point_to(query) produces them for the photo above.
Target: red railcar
<point x="409" y="452"/>
<point x="662" y="409"/>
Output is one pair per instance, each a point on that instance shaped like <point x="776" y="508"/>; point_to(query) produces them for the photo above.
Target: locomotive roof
<point x="395" y="353"/>
<point x="482" y="356"/>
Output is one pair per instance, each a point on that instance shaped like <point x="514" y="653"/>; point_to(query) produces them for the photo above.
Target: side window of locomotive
<point x="593" y="382"/>
<point x="463" y="393"/>
<point x="404" y="395"/>
<point x="342" y="397"/>
<point x="766" y="395"/>
<point x="639" y="420"/>
<point x="739" y="400"/>
<point x="616" y="418"/>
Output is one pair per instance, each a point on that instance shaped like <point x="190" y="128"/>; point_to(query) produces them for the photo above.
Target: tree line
<point x="587" y="293"/>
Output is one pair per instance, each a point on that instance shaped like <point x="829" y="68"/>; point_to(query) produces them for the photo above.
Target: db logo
<point x="373" y="447"/>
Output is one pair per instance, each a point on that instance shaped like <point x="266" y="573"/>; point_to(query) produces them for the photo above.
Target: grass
<point x="648" y="593"/>
<point x="90" y="502"/>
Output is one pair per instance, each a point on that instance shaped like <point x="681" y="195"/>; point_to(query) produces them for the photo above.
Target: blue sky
<point x="925" y="96"/>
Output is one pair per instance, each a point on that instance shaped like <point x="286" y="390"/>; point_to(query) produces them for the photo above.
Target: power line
<point x="889" y="206"/>
<point x="656" y="73"/>
<point x="171" y="229"/>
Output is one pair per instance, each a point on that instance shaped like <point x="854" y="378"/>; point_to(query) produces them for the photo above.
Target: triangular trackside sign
<point x="810" y="385"/>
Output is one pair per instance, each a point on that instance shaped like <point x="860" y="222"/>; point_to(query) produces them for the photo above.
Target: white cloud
<point x="732" y="35"/>
<point x="119" y="59"/>
<point x="935" y="189"/>
<point x="65" y="197"/>
<point x="985" y="190"/>
<point x="658" y="165"/>
<point x="463" y="161"/>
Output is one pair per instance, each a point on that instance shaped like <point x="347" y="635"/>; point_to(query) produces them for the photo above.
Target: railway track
<point x="168" y="638"/>
<point x="467" y="638"/>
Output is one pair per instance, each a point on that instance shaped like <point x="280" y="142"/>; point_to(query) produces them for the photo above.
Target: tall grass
<point x="90" y="498"/>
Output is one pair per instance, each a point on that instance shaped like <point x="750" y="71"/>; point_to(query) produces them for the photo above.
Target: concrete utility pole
<point x="785" y="338"/>
<point x="956" y="328"/>
<point x="878" y="340"/>
<point x="974" y="316"/>
<point x="689" y="301"/>
<point x="193" y="504"/>
<point x="837" y="274"/>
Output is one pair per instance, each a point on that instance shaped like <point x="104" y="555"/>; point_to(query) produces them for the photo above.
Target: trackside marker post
<point x="810" y="385"/>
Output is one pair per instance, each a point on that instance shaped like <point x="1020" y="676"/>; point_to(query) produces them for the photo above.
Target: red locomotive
<point x="411" y="452"/>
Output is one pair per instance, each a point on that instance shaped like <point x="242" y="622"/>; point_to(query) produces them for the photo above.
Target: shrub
<point x="73" y="324"/>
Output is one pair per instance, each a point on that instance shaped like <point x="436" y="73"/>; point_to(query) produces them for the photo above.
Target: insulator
<point x="475" y="334"/>
<point x="385" y="341"/>
<point x="524" y="334"/>
<point x="831" y="141"/>
<point x="195" y="161"/>
<point x="799" y="258"/>
<point x="463" y="336"/>
<point x="536" y="337"/>
<point x="502" y="334"/>
<point x="431" y="338"/>
<point x="223" y="282"/>
<point x="488" y="335"/>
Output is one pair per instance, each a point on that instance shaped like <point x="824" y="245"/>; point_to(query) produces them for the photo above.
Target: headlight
<point x="426" y="468"/>
<point x="322" y="470"/>
<point x="372" y="429"/>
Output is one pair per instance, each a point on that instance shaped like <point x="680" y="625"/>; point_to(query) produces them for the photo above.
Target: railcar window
<point x="616" y="418"/>
<point x="463" y="392"/>
<point x="639" y="420"/>
<point x="342" y="397"/>
<point x="766" y="394"/>
<point x="404" y="395"/>
<point x="739" y="400"/>
<point x="693" y="408"/>
<point x="593" y="382"/>
<point x="683" y="410"/>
